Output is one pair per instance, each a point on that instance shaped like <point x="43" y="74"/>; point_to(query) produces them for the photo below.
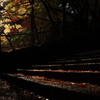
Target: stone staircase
<point x="78" y="76"/>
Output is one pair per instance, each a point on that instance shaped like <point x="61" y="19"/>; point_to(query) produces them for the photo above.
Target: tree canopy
<point x="35" y="22"/>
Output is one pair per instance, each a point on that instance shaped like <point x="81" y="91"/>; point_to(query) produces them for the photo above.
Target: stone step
<point x="70" y="66"/>
<point x="92" y="77"/>
<point x="92" y="59"/>
<point x="54" y="89"/>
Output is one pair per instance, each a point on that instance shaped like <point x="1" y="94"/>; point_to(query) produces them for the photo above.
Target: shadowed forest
<point x="49" y="49"/>
<point x="34" y="31"/>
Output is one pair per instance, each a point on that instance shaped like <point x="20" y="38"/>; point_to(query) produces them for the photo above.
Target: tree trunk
<point x="0" y="44"/>
<point x="64" y="18"/>
<point x="49" y="15"/>
<point x="8" y="40"/>
<point x="35" y="39"/>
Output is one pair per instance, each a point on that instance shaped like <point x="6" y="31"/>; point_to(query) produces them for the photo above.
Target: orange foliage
<point x="16" y="1"/>
<point x="15" y="18"/>
<point x="26" y="23"/>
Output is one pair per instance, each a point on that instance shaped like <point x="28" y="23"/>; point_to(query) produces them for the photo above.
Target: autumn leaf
<point x="15" y="18"/>
<point x="16" y="1"/>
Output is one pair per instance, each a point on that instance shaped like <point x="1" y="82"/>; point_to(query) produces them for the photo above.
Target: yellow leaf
<point x="13" y="9"/>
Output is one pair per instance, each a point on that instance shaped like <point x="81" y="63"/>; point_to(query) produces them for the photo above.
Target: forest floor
<point x="87" y="88"/>
<point x="12" y="92"/>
